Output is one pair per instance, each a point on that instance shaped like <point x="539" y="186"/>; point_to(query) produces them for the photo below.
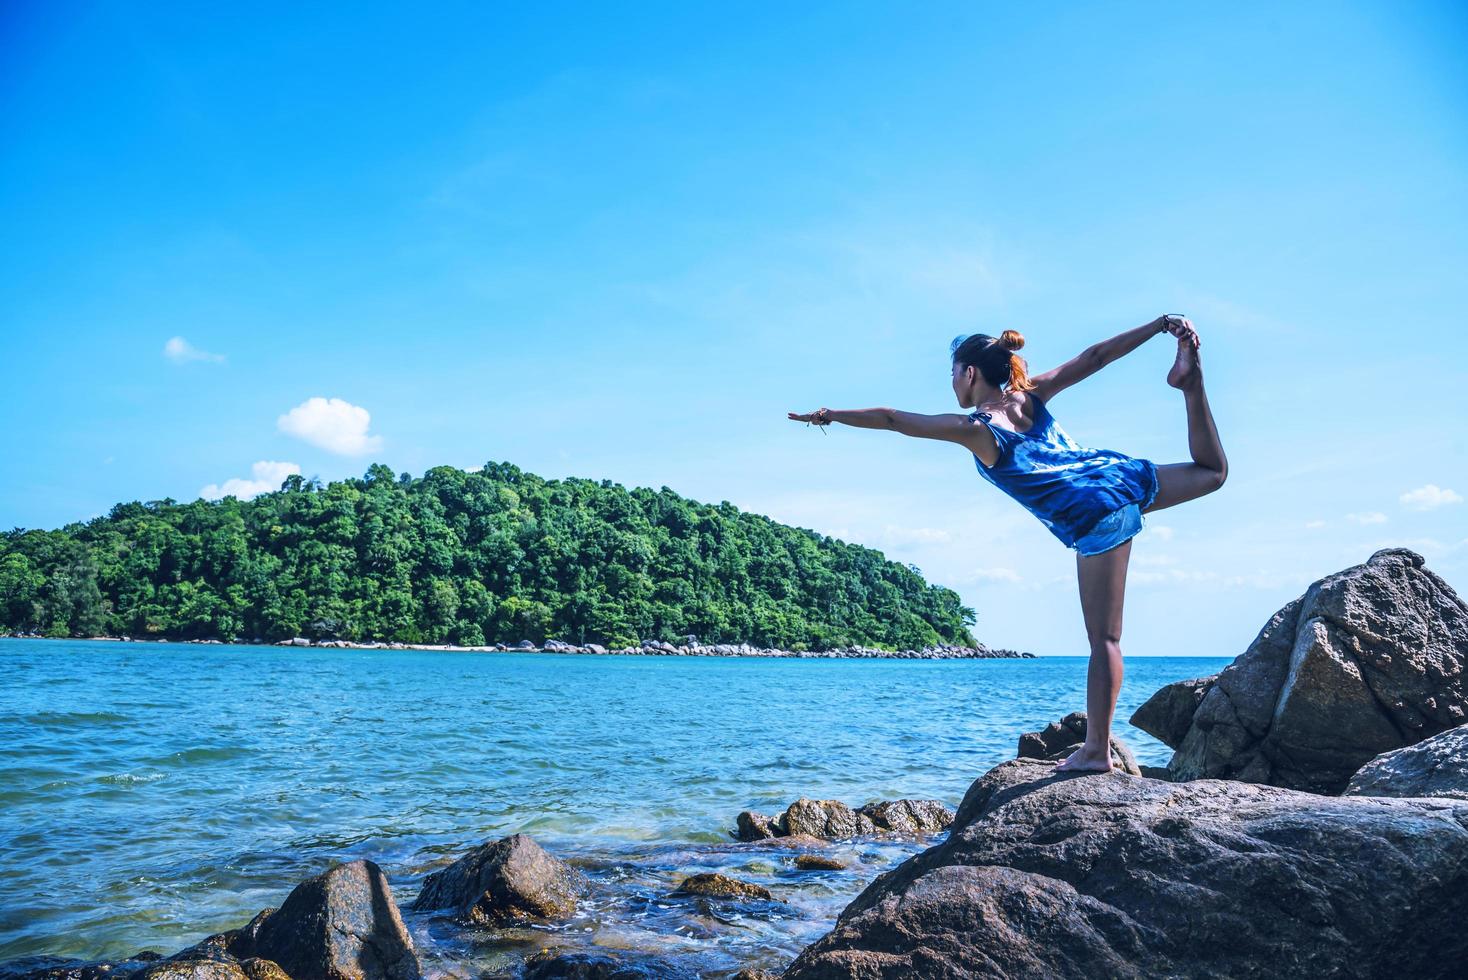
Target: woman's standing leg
<point x="1103" y="589"/>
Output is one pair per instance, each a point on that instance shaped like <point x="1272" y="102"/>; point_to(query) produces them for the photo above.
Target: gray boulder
<point x="834" y="820"/>
<point x="1060" y="738"/>
<point x="510" y="880"/>
<point x="1368" y="660"/>
<point x="340" y="925"/>
<point x="1168" y="714"/>
<point x="1063" y="875"/>
<point x="1436" y="766"/>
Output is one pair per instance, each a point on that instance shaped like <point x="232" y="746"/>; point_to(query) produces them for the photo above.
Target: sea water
<point x="151" y="793"/>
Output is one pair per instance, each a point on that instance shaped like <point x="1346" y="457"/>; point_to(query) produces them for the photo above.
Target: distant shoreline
<point x="648" y="648"/>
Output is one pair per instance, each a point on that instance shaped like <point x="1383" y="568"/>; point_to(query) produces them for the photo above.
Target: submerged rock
<point x="721" y="886"/>
<point x="1060" y="738"/>
<point x="510" y="880"/>
<point x="46" y="967"/>
<point x="834" y="820"/>
<point x="1368" y="660"/>
<point x="1054" y="874"/>
<point x="552" y="964"/>
<point x="818" y="862"/>
<point x="1436" y="766"/>
<point x="340" y="925"/>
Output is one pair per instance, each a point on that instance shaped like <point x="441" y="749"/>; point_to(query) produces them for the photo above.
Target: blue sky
<point x="622" y="241"/>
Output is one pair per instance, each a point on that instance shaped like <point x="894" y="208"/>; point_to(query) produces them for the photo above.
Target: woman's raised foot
<point x="1186" y="371"/>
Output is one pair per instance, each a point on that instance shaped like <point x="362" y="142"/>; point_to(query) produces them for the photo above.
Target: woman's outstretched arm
<point x="1102" y="353"/>
<point x="950" y="427"/>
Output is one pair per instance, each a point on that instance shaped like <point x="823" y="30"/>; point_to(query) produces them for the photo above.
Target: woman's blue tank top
<point x="1069" y="488"/>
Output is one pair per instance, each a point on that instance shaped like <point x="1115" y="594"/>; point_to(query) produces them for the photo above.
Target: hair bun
<point x="1012" y="339"/>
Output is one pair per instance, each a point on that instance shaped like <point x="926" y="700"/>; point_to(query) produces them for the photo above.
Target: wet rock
<point x="1436" y="766"/>
<point x="756" y="975"/>
<point x="201" y="969"/>
<point x="818" y="862"/>
<point x="721" y="886"/>
<point x="1060" y="738"/>
<point x="1368" y="660"/>
<point x="46" y="967"/>
<point x="549" y="964"/>
<point x="754" y="826"/>
<point x="510" y="880"/>
<point x="830" y="819"/>
<point x="834" y="820"/>
<point x="1065" y="875"/>
<point x="1167" y="714"/>
<point x="261" y="969"/>
<point x="340" y="925"/>
<point x="909" y="817"/>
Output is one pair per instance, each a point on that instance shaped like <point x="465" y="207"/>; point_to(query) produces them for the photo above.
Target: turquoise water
<point x="151" y="794"/>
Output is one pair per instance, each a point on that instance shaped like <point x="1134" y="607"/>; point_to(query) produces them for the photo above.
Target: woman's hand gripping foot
<point x="1086" y="759"/>
<point x="1186" y="369"/>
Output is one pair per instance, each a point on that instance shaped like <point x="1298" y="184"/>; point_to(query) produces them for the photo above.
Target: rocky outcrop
<point x="340" y="925"/>
<point x="1060" y="738"/>
<point x="509" y="880"/>
<point x="834" y="820"/>
<point x="1084" y="875"/>
<point x="1368" y="660"/>
<point x="1436" y="766"/>
<point x="1168" y="714"/>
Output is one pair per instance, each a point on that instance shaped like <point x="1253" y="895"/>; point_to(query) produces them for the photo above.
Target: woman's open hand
<point x="820" y="416"/>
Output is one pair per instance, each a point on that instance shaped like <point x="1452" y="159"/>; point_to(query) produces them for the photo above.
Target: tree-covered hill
<point x="468" y="558"/>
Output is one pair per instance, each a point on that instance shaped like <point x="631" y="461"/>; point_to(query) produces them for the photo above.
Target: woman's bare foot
<point x="1086" y="759"/>
<point x="1186" y="370"/>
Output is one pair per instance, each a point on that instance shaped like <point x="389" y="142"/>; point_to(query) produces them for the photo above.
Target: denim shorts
<point x="1116" y="527"/>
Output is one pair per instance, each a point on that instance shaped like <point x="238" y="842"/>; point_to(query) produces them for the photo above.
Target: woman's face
<point x="963" y="384"/>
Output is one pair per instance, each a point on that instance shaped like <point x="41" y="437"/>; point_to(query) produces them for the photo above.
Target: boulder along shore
<point x="1325" y="836"/>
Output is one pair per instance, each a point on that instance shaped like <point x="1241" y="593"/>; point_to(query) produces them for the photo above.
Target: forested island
<point x="465" y="558"/>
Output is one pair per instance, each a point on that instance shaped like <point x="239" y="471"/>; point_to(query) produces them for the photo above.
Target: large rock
<point x="340" y="925"/>
<point x="1059" y="739"/>
<point x="715" y="885"/>
<point x="510" y="880"/>
<point x="1062" y="875"/>
<point x="834" y="820"/>
<point x="1436" y="766"/>
<point x="1168" y="714"/>
<point x="1367" y="660"/>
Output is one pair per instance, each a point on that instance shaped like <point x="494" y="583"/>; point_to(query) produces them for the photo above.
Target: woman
<point x="1091" y="499"/>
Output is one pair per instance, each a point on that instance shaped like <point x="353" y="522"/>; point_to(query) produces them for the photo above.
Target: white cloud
<point x="1144" y="559"/>
<point x="993" y="575"/>
<point x="332" y="424"/>
<point x="1430" y="496"/>
<point x="895" y="536"/>
<point x="180" y="351"/>
<point x="1371" y="517"/>
<point x="473" y="469"/>
<point x="1313" y="524"/>
<point x="268" y="475"/>
<point x="1159" y="531"/>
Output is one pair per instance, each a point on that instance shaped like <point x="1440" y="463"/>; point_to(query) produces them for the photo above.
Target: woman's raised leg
<point x="1177" y="482"/>
<point x="1103" y="590"/>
